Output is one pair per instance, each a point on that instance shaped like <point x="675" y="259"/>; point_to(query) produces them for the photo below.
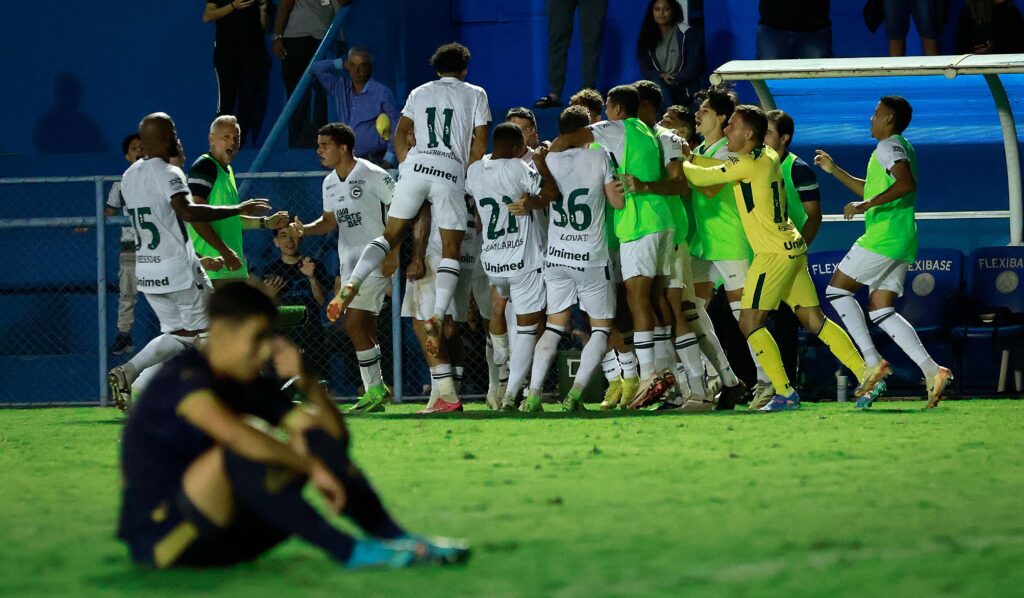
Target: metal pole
<point x="396" y="335"/>
<point x="763" y="94"/>
<point x="995" y="85"/>
<point x="101" y="291"/>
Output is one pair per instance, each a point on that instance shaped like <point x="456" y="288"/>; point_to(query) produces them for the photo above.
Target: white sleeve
<point x="175" y="182"/>
<point x="889" y="152"/>
<point x="723" y="153"/>
<point x="409" y="110"/>
<point x="611" y="134"/>
<point x="114" y="199"/>
<point x="671" y="147"/>
<point x="606" y="168"/>
<point x="530" y="179"/>
<point x="482" y="112"/>
<point x="323" y="194"/>
<point x="386" y="188"/>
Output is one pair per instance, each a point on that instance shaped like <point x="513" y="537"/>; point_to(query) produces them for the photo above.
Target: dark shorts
<point x="177" y="535"/>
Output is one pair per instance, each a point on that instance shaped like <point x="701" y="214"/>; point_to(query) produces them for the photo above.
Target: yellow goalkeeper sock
<point x="842" y="346"/>
<point x="766" y="351"/>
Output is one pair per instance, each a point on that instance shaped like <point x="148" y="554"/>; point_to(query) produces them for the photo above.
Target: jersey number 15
<point x="138" y="217"/>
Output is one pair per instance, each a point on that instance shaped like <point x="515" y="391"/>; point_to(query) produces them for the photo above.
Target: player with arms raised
<point x="449" y="120"/>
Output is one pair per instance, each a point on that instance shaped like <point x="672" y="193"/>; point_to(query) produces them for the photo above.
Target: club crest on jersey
<point x="355" y="192"/>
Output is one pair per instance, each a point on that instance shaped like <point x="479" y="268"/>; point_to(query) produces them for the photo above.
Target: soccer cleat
<point x="371" y="554"/>
<point x="442" y="406"/>
<point x="871" y="376"/>
<point x="629" y="389"/>
<point x="493" y="399"/>
<point x="122" y="344"/>
<point x="120" y="388"/>
<point x="731" y="396"/>
<point x="533" y="404"/>
<point x="714" y="385"/>
<point x="433" y="329"/>
<point x="781" y="403"/>
<point x="573" y="401"/>
<point x="697" y="404"/>
<point x="373" y="401"/>
<point x="763" y="393"/>
<point x="936" y="385"/>
<point x="865" y="401"/>
<point x="436" y="550"/>
<point x="339" y="304"/>
<point x="612" y="395"/>
<point x="650" y="391"/>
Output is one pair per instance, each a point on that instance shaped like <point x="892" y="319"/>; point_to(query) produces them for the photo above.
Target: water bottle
<point x="842" y="390"/>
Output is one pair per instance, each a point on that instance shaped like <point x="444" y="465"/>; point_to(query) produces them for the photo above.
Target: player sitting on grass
<point x="779" y="269"/>
<point x="576" y="266"/>
<point x="888" y="246"/>
<point x="203" y="487"/>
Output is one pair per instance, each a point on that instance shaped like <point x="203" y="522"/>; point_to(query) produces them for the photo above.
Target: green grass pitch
<point x="827" y="501"/>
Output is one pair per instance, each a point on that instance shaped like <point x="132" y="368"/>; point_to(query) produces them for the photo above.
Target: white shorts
<point x="876" y="271"/>
<point x="418" y="302"/>
<point x="732" y="272"/>
<point x="447" y="204"/>
<point x="615" y="264"/>
<point x="181" y="310"/>
<point x="647" y="256"/>
<point x="481" y="288"/>
<point x="525" y="291"/>
<point x="371" y="295"/>
<point x="592" y="288"/>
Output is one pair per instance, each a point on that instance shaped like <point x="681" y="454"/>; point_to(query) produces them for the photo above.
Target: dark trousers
<point x="242" y="86"/>
<point x="561" y="14"/>
<point x="311" y="113"/>
<point x="773" y="44"/>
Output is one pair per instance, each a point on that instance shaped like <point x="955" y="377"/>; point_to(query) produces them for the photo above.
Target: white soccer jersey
<point x="611" y="134"/>
<point x="576" y="233"/>
<point x="359" y="204"/>
<point x="671" y="144"/>
<point x="165" y="259"/>
<point x="444" y="113"/>
<point x="511" y="244"/>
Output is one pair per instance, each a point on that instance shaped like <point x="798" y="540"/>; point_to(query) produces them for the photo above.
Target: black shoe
<point x="731" y="396"/>
<point x="548" y="102"/>
<point x="122" y="344"/>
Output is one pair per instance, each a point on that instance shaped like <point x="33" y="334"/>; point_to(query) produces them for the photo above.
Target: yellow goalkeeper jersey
<point x="760" y="199"/>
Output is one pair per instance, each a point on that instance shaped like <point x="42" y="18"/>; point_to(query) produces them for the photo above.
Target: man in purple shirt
<point x="359" y="101"/>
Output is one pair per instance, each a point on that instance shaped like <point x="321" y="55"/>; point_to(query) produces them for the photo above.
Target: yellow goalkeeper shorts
<point x="777" y="277"/>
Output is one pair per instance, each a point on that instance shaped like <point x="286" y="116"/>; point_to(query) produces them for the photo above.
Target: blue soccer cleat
<point x="436" y="550"/>
<point x="865" y="401"/>
<point x="371" y="554"/>
<point x="781" y="403"/>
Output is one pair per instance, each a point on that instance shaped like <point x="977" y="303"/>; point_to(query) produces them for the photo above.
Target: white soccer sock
<point x="492" y="368"/>
<point x="591" y="356"/>
<point x="762" y="376"/>
<point x="610" y="365"/>
<point x="900" y="330"/>
<point x="663" y="354"/>
<point x="522" y="356"/>
<point x="682" y="385"/>
<point x="710" y="346"/>
<point x="688" y="349"/>
<point x="369" y="367"/>
<point x="627" y="363"/>
<point x="442" y="376"/>
<point x="459" y="377"/>
<point x="158" y="350"/>
<point x="544" y="355"/>
<point x="643" y="343"/>
<point x="499" y="348"/>
<point x="374" y="253"/>
<point x="445" y="281"/>
<point x="852" y="315"/>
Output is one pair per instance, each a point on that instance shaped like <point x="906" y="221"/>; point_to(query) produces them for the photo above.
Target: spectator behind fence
<point x="990" y="27"/>
<point x="794" y="29"/>
<point x="240" y="60"/>
<point x="670" y="52"/>
<point x="362" y="103"/>
<point x="928" y="19"/>
<point x="128" y="293"/>
<point x="299" y="27"/>
<point x="299" y="280"/>
<point x="561" y="14"/>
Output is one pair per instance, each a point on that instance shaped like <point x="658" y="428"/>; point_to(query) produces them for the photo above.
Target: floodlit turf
<point x="823" y="502"/>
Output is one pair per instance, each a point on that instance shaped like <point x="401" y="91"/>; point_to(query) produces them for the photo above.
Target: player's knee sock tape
<point x="442" y="376"/>
<point x="459" y="377"/>
<point x="709" y="344"/>
<point x="158" y="350"/>
<point x="275" y="496"/>
<point x="900" y="330"/>
<point x="688" y="350"/>
<point x="643" y="342"/>
<point x="522" y="357"/>
<point x="544" y="354"/>
<point x="369" y="367"/>
<point x="610" y="366"/>
<point x="492" y="368"/>
<point x="363" y="505"/>
<point x="767" y="352"/>
<point x="375" y="252"/>
<point x="627" y="364"/>
<point x="663" y="353"/>
<point x="499" y="343"/>
<point x="445" y="281"/>
<point x="852" y="315"/>
<point x="840" y="344"/>
<point x="591" y="355"/>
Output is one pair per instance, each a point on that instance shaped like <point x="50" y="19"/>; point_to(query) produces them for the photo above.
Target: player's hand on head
<point x="297" y="227"/>
<point x="278" y="220"/>
<point x="254" y="207"/>
<point x="329" y="486"/>
<point x="824" y="161"/>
